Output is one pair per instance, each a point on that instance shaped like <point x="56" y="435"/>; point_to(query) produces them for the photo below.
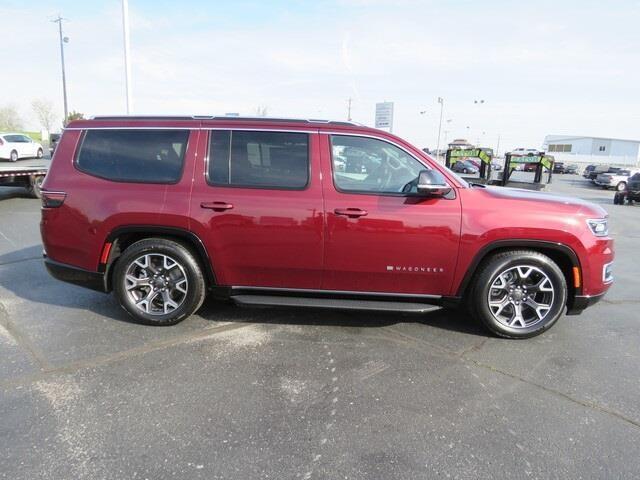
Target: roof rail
<point x="222" y="117"/>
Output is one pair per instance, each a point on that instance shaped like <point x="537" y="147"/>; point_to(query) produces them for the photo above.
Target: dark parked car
<point x="559" y="167"/>
<point x="631" y="193"/>
<point x="465" y="166"/>
<point x="571" y="169"/>
<point x="165" y="210"/>
<point x="53" y="141"/>
<point x="598" y="169"/>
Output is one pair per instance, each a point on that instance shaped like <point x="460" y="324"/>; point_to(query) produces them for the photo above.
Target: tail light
<point x="52" y="199"/>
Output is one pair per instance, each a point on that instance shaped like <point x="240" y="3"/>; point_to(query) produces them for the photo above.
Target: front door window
<point x="369" y="165"/>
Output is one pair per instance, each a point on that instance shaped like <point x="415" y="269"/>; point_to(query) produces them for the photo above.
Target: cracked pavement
<point x="281" y="393"/>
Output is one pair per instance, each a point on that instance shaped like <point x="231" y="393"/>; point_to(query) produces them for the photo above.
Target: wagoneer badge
<point x="397" y="268"/>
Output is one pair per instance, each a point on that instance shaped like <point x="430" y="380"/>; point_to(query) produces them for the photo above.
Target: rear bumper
<point x="75" y="275"/>
<point x="580" y="302"/>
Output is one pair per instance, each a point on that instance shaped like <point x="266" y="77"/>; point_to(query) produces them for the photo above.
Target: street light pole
<point x="64" y="78"/>
<point x="127" y="60"/>
<point x="441" y="102"/>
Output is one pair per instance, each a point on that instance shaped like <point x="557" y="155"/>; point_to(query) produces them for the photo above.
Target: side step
<point x="333" y="303"/>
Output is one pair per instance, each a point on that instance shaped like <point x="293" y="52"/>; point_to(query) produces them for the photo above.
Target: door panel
<point x="393" y="243"/>
<point x="258" y="235"/>
<point x="26" y="146"/>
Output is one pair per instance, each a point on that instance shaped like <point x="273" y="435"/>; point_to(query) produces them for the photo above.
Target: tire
<point x="13" y="156"/>
<point x="180" y="276"/>
<point x="36" y="186"/>
<point x="618" y="199"/>
<point x="40" y="153"/>
<point x="509" y="278"/>
<point x="621" y="187"/>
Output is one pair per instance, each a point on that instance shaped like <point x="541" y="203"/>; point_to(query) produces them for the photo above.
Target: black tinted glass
<point x="259" y="159"/>
<point x="145" y="156"/>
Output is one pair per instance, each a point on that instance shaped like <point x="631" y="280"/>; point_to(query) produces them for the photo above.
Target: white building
<point x="612" y="151"/>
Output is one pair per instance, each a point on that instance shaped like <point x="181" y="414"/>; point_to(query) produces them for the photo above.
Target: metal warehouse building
<point x="614" y="151"/>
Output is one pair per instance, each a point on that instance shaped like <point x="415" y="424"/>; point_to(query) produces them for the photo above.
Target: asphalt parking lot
<point x="307" y="394"/>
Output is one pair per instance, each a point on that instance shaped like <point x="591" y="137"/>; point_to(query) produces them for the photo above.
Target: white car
<point x="14" y="146"/>
<point x="524" y="152"/>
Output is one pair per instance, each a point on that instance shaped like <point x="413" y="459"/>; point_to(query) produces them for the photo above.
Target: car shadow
<point x="14" y="192"/>
<point x="456" y="320"/>
<point x="26" y="277"/>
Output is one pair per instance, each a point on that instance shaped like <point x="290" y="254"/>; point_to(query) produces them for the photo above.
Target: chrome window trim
<point x="191" y="127"/>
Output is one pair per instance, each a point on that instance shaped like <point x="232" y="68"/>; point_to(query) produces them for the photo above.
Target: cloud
<point x="574" y="70"/>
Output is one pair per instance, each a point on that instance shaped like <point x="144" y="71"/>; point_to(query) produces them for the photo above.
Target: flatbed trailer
<point x="29" y="177"/>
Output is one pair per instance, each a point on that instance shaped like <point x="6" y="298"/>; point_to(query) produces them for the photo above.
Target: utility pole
<point x="498" y="146"/>
<point x="349" y="109"/>
<point x="63" y="40"/>
<point x="441" y="102"/>
<point x="127" y="60"/>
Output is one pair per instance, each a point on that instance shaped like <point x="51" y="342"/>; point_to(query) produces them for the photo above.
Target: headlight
<point x="598" y="226"/>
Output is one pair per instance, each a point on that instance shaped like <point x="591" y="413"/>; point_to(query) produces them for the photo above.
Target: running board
<point x="333" y="303"/>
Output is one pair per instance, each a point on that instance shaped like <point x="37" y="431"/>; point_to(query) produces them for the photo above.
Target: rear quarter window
<point x="128" y="155"/>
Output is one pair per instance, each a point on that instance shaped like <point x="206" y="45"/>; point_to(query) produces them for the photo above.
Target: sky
<point x="542" y="67"/>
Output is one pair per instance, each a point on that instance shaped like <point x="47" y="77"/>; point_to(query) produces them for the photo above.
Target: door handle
<point x="217" y="206"/>
<point x="350" y="212"/>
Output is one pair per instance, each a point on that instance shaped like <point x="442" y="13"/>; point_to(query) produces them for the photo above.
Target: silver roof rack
<point x="222" y="117"/>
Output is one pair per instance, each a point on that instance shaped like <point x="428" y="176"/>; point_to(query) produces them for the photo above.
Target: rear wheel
<point x="40" y="153"/>
<point x="159" y="281"/>
<point x="36" y="186"/>
<point x="621" y="186"/>
<point x="519" y="294"/>
<point x="13" y="156"/>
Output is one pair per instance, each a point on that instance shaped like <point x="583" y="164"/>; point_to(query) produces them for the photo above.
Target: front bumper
<point x="580" y="302"/>
<point x="75" y="275"/>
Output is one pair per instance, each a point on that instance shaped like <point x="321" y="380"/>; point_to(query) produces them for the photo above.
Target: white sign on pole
<point x="384" y="115"/>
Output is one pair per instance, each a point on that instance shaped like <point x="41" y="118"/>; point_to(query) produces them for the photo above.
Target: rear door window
<point x="132" y="155"/>
<point x="258" y="159"/>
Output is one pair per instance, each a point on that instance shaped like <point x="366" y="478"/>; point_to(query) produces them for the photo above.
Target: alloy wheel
<point x="156" y="283"/>
<point x="521" y="296"/>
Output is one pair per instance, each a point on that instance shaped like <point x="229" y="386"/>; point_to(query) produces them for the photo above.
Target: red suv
<point x="162" y="210"/>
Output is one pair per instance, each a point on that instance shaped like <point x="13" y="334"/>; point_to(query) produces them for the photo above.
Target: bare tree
<point x="262" y="111"/>
<point x="9" y="118"/>
<point x="45" y="112"/>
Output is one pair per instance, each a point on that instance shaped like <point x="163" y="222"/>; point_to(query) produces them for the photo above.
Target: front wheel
<point x="13" y="156"/>
<point x="159" y="281"/>
<point x="618" y="198"/>
<point x="519" y="294"/>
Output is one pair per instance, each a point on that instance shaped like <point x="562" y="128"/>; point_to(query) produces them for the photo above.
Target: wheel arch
<point x="122" y="237"/>
<point x="563" y="255"/>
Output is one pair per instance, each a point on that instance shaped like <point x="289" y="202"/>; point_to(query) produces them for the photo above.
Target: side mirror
<point x="433" y="184"/>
